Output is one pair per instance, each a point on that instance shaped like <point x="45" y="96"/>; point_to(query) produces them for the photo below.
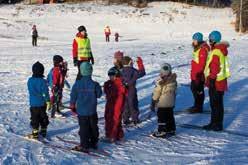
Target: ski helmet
<point x="86" y="69"/>
<point x="198" y="37"/>
<point x="38" y="69"/>
<point x="165" y="69"/>
<point x="57" y="59"/>
<point x="214" y="36"/>
<point x="114" y="72"/>
<point x="81" y="28"/>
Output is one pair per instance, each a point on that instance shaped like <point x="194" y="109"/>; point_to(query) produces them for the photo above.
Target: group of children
<point x="121" y="99"/>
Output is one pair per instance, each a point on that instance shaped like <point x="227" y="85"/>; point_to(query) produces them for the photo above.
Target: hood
<point x="171" y="79"/>
<point x="222" y="46"/>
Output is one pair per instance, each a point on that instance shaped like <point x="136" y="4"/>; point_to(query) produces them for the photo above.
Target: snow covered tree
<point x="240" y="8"/>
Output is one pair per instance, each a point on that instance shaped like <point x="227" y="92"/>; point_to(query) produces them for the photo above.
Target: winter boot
<point x="43" y="132"/>
<point x="79" y="148"/>
<point x="34" y="134"/>
<point x="217" y="127"/>
<point x="194" y="110"/>
<point x="159" y="134"/>
<point x="208" y="127"/>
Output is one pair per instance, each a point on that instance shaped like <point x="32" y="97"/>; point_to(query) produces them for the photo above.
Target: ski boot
<point x="208" y="127"/>
<point x="79" y="148"/>
<point x="194" y="110"/>
<point x="43" y="132"/>
<point x="34" y="134"/>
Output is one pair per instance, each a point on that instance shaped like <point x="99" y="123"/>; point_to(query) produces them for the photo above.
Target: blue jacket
<point x="84" y="95"/>
<point x="38" y="92"/>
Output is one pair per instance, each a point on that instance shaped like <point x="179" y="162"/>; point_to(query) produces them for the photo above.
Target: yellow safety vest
<point x="224" y="65"/>
<point x="196" y="56"/>
<point x="84" y="49"/>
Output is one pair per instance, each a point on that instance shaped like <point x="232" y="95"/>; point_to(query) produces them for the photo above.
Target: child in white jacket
<point x="163" y="98"/>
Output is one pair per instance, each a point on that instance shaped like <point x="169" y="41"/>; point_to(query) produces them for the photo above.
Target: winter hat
<point x="81" y="28"/>
<point x="118" y="55"/>
<point x="86" y="69"/>
<point x="114" y="72"/>
<point x="126" y="60"/>
<point x="165" y="70"/>
<point x="214" y="36"/>
<point x="38" y="69"/>
<point x="198" y="37"/>
<point x="57" y="59"/>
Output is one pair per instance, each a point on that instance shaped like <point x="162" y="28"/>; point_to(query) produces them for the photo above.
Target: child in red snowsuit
<point x="56" y="79"/>
<point x="115" y="95"/>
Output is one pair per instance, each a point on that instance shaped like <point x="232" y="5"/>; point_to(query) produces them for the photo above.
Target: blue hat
<point x="214" y="36"/>
<point x="198" y="37"/>
<point x="86" y="69"/>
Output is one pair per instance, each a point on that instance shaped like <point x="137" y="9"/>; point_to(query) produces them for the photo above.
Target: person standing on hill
<point x="107" y="32"/>
<point x="216" y="73"/>
<point x="81" y="49"/>
<point x="35" y="35"/>
<point x="198" y="63"/>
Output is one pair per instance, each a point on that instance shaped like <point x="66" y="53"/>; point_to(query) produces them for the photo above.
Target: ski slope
<point x="160" y="33"/>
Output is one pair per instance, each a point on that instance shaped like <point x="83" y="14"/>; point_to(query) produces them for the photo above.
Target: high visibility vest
<point x="196" y="56"/>
<point x="84" y="49"/>
<point x="224" y="65"/>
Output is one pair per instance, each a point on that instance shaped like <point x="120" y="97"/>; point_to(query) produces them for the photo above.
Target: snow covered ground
<point x="160" y="33"/>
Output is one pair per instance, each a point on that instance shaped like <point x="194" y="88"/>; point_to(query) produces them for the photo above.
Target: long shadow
<point x="61" y="131"/>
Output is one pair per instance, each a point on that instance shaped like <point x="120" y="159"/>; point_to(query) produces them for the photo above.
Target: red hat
<point x="118" y="55"/>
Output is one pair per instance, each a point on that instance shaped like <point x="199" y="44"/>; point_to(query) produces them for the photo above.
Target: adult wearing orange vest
<point x="216" y="74"/>
<point x="107" y="32"/>
<point x="198" y="63"/>
<point x="81" y="49"/>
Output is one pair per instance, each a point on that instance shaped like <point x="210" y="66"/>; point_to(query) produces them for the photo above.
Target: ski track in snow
<point x="160" y="33"/>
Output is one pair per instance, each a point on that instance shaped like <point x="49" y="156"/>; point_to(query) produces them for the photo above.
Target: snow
<point x="160" y="33"/>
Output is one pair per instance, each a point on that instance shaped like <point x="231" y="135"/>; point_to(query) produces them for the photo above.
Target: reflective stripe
<point x="84" y="49"/>
<point x="224" y="65"/>
<point x="196" y="56"/>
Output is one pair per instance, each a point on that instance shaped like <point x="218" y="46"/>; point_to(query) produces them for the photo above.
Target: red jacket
<point x="115" y="95"/>
<point x="197" y="70"/>
<point x="215" y="67"/>
<point x="58" y="77"/>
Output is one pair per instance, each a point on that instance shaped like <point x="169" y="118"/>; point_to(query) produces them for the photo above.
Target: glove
<point x="75" y="61"/>
<point x="152" y="106"/>
<point x="140" y="63"/>
<point x="48" y="105"/>
<point x="212" y="84"/>
<point x="73" y="109"/>
<point x="92" y="60"/>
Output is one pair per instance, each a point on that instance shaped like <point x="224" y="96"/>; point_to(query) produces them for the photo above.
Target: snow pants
<point x="198" y="93"/>
<point x="113" y="124"/>
<point x="217" y="107"/>
<point x="166" y="120"/>
<point x="88" y="132"/>
<point x="34" y="40"/>
<point x="39" y="117"/>
<point x="107" y="38"/>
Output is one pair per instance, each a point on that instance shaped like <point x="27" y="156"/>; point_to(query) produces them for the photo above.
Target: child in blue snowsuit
<point x="83" y="101"/>
<point x="39" y="101"/>
<point x="130" y="75"/>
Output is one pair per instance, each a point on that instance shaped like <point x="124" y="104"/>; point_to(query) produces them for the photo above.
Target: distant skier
<point x="35" y="35"/>
<point x="39" y="101"/>
<point x="56" y="80"/>
<point x="130" y="75"/>
<point x="115" y="97"/>
<point x="198" y="63"/>
<point x="81" y="50"/>
<point x="216" y="73"/>
<point x="164" y="96"/>
<point x="117" y="37"/>
<point x="107" y="33"/>
<point x="83" y="101"/>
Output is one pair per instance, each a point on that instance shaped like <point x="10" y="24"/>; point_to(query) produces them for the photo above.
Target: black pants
<point x="88" y="132"/>
<point x="39" y="117"/>
<point x="198" y="93"/>
<point x="166" y="120"/>
<point x="107" y="38"/>
<point x="34" y="40"/>
<point x="217" y="107"/>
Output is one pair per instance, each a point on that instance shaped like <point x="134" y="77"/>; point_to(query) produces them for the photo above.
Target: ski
<point x="197" y="127"/>
<point x="98" y="151"/>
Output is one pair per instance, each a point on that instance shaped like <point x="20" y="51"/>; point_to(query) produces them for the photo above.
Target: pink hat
<point x="118" y="55"/>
